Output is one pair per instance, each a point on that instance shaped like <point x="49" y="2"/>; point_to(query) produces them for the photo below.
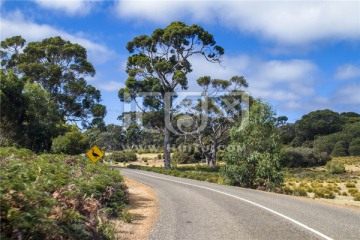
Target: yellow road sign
<point x="95" y="154"/>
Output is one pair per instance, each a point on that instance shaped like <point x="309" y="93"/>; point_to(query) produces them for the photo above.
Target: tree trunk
<point x="207" y="159"/>
<point x="213" y="154"/>
<point x="167" y="164"/>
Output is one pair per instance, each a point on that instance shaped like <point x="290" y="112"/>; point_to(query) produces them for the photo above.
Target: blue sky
<point x="299" y="56"/>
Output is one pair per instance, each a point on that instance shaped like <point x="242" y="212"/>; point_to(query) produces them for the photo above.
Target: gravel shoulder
<point x="143" y="207"/>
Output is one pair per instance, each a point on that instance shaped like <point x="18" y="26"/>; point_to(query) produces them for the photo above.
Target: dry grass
<point x="337" y="188"/>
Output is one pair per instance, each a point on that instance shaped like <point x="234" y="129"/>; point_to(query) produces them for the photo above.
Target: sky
<point x="299" y="56"/>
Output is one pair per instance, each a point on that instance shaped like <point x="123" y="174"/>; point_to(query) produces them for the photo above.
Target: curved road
<point x="191" y="209"/>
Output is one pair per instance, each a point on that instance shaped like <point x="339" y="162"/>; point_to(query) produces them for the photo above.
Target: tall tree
<point x="12" y="107"/>
<point x="160" y="63"/>
<point x="60" y="67"/>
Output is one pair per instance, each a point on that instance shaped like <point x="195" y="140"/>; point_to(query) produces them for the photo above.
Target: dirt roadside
<point x="144" y="209"/>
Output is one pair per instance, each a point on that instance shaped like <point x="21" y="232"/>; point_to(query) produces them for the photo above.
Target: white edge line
<point x="242" y="199"/>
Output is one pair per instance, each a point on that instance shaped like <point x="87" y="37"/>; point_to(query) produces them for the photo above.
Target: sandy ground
<point x="144" y="209"/>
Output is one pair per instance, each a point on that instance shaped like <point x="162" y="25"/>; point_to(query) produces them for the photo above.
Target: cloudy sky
<point x="299" y="56"/>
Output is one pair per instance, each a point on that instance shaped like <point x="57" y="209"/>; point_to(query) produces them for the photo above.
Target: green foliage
<point x="335" y="168"/>
<point x="29" y="117"/>
<point x="340" y="149"/>
<point x="354" y="148"/>
<point x="57" y="196"/>
<point x="323" y="192"/>
<point x="186" y="154"/>
<point x="304" y="157"/>
<point x="197" y="172"/>
<point x="111" y="137"/>
<point x="340" y="143"/>
<point x="254" y="155"/>
<point x="357" y="197"/>
<point x="121" y="156"/>
<point x="350" y="185"/>
<point x="60" y="67"/>
<point x="321" y="122"/>
<point x="287" y="132"/>
<point x="72" y="143"/>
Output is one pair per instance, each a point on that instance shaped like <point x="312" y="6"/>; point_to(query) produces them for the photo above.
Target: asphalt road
<point x="198" y="210"/>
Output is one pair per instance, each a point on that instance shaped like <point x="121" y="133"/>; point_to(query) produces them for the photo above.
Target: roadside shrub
<point x="324" y="193"/>
<point x="184" y="156"/>
<point x="300" y="192"/>
<point x="121" y="156"/>
<point x="288" y="190"/>
<point x="159" y="156"/>
<point x="357" y="197"/>
<point x="350" y="185"/>
<point x="11" y="152"/>
<point x="353" y="191"/>
<point x="58" y="197"/>
<point x="335" y="167"/>
<point x="304" y="157"/>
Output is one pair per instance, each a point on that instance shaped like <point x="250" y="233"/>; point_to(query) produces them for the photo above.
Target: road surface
<point x="191" y="209"/>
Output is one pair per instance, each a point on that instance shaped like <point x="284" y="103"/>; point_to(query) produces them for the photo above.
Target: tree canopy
<point x="42" y="87"/>
<point x="60" y="67"/>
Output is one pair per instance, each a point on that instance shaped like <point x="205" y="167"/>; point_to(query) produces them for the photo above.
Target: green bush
<point x="354" y="148"/>
<point x="58" y="197"/>
<point x="253" y="157"/>
<point x="353" y="191"/>
<point x="323" y="192"/>
<point x="340" y="149"/>
<point x="72" y="143"/>
<point x="121" y="156"/>
<point x="350" y="185"/>
<point x="159" y="156"/>
<point x="357" y="197"/>
<point x="186" y="156"/>
<point x="335" y="168"/>
<point x="328" y="142"/>
<point x="304" y="157"/>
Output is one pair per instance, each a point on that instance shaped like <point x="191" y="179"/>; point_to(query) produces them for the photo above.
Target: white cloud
<point x="348" y="95"/>
<point x="110" y="86"/>
<point x="70" y="7"/>
<point x="274" y="79"/>
<point x="288" y="22"/>
<point x="347" y="71"/>
<point x="16" y="24"/>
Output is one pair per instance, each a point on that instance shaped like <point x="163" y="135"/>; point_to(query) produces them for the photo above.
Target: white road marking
<point x="242" y="199"/>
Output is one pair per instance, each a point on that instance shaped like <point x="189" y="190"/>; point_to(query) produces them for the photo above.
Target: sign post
<point x="95" y="154"/>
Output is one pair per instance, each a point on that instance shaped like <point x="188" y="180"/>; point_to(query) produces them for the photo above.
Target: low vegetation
<point x="329" y="182"/>
<point x="58" y="196"/>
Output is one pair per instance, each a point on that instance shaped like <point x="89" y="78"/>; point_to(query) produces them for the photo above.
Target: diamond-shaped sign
<point x="95" y="154"/>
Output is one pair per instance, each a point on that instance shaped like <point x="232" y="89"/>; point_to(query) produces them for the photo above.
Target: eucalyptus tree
<point x="160" y="63"/>
<point x="60" y="67"/>
<point x="209" y="119"/>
